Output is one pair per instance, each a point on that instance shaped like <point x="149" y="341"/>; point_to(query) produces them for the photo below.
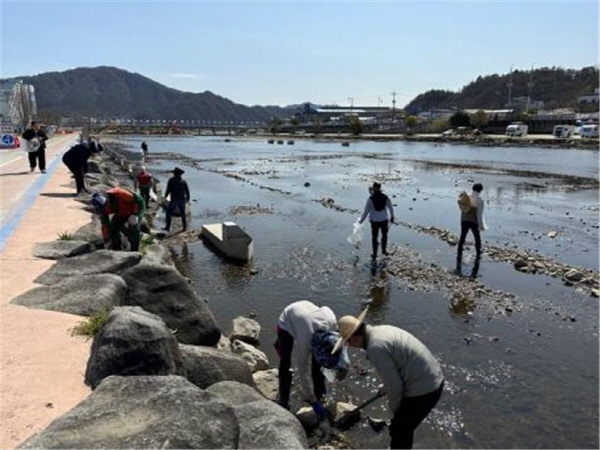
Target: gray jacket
<point x="406" y="367"/>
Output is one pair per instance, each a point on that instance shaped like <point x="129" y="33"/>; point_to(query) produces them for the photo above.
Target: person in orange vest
<point x="127" y="209"/>
<point x="144" y="183"/>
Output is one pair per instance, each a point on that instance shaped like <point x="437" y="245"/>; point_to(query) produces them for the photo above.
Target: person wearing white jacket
<point x="297" y="324"/>
<point x="377" y="207"/>
<point x="472" y="220"/>
<point x="412" y="377"/>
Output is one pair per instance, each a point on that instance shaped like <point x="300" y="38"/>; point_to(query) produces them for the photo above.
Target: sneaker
<point x="165" y="229"/>
<point x="32" y="169"/>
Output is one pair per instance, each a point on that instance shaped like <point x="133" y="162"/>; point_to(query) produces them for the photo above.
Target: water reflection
<point x="183" y="259"/>
<point x="379" y="295"/>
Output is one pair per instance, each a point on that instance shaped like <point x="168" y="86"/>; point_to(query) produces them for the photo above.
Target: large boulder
<point x="234" y="393"/>
<point x="263" y="423"/>
<point x="206" y="366"/>
<point x="256" y="359"/>
<point x="163" y="291"/>
<point x="159" y="254"/>
<point x="82" y="295"/>
<point x="245" y="329"/>
<point x="101" y="261"/>
<point x="141" y="413"/>
<point x="133" y="342"/>
<point x="90" y="232"/>
<point x="61" y="249"/>
<point x="267" y="382"/>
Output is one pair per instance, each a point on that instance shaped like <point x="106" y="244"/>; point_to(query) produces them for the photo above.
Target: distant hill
<point x="109" y="92"/>
<point x="557" y="87"/>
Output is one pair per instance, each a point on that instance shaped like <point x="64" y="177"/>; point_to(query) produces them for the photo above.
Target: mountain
<point x="556" y="87"/>
<point x="109" y="92"/>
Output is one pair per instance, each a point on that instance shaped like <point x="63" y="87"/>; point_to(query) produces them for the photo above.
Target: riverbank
<point x="535" y="140"/>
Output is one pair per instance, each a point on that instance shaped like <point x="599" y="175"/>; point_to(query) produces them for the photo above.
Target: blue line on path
<point x="11" y="225"/>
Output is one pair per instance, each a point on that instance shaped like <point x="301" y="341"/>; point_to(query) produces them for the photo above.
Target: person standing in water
<point x="377" y="208"/>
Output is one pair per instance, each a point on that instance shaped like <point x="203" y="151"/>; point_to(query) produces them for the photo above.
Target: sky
<point x="281" y="53"/>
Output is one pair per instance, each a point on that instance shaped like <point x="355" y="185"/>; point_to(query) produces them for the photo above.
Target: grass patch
<point x="146" y="242"/>
<point x="92" y="325"/>
<point x="65" y="236"/>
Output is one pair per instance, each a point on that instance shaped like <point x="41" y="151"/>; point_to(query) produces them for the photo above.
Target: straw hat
<point x="347" y="326"/>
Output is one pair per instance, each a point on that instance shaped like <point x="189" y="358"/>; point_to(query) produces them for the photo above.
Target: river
<point x="518" y="377"/>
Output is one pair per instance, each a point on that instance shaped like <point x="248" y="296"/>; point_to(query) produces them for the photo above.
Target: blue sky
<point x="281" y="53"/>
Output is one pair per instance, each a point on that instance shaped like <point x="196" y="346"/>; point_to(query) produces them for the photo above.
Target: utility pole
<point x="529" y="86"/>
<point x="393" y="94"/>
<point x="510" y="85"/>
<point x="351" y="100"/>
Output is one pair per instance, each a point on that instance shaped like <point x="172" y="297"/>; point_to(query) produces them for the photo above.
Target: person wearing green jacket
<point x="120" y="210"/>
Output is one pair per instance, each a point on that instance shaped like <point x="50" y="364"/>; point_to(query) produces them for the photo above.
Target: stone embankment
<point x="161" y="372"/>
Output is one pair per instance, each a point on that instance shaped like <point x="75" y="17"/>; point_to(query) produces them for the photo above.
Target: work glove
<point x="132" y="221"/>
<point x="320" y="410"/>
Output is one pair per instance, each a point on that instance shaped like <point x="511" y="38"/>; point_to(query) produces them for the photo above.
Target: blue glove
<point x="320" y="410"/>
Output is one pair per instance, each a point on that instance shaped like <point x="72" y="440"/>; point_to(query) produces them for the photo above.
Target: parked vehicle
<point x="516" y="129"/>
<point x="563" y="131"/>
<point x="589" y="131"/>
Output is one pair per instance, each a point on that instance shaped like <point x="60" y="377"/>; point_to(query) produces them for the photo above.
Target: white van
<point x="563" y="131"/>
<point x="589" y="131"/>
<point x="516" y="129"/>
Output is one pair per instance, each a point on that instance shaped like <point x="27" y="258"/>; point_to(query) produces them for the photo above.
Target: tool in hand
<point x="353" y="415"/>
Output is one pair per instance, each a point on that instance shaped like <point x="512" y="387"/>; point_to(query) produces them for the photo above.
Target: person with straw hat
<point x="179" y="192"/>
<point x="377" y="207"/>
<point x="412" y="376"/>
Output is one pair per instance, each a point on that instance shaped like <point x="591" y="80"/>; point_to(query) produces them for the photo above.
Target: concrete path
<point x="42" y="365"/>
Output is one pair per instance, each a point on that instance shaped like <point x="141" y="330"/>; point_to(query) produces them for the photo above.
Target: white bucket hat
<point x="347" y="326"/>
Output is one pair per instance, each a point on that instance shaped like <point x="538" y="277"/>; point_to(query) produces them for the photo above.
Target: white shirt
<point x="377" y="216"/>
<point x="301" y="319"/>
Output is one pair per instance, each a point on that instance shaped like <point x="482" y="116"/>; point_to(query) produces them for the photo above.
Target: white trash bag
<point x="356" y="237"/>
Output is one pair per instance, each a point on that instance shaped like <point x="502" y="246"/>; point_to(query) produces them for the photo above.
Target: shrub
<point x="65" y="236"/>
<point x="92" y="325"/>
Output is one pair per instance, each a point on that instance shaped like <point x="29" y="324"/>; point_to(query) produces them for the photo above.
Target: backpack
<point x="464" y="202"/>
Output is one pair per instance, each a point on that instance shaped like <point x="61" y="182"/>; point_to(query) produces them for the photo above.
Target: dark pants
<point x="464" y="229"/>
<point x="36" y="157"/>
<point x="77" y="171"/>
<point x="284" y="347"/>
<point x="119" y="225"/>
<point x="173" y="208"/>
<point x="411" y="413"/>
<point x="145" y="193"/>
<point x="375" y="227"/>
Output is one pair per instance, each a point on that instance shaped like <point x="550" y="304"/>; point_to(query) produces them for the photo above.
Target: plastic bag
<point x="356" y="237"/>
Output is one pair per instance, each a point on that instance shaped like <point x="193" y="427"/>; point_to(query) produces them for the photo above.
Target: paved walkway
<point x="42" y="365"/>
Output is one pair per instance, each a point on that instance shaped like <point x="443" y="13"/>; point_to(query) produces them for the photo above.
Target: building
<point x="590" y="98"/>
<point x="17" y="104"/>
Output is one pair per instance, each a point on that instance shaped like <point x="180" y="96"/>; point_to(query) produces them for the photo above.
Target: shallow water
<point x="521" y="379"/>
